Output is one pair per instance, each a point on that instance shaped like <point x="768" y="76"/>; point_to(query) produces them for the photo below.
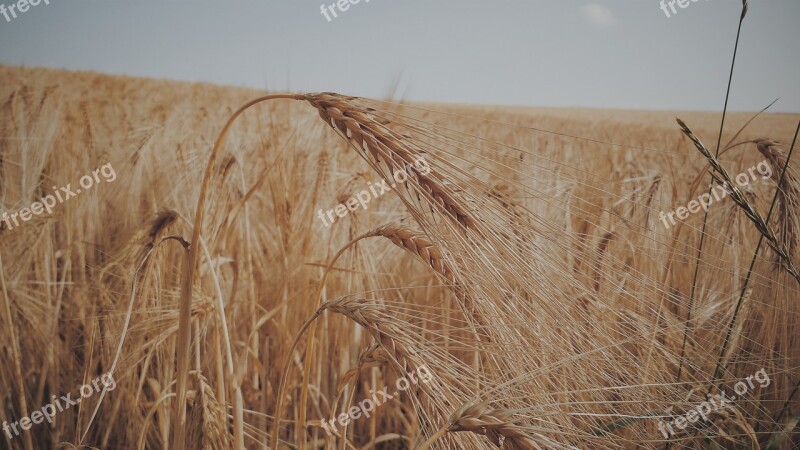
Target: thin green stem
<point x="698" y="258"/>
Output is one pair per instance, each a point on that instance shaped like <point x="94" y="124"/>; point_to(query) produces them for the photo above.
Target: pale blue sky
<point x="605" y="53"/>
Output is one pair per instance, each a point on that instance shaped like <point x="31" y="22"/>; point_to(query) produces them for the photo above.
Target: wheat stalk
<point x="190" y="260"/>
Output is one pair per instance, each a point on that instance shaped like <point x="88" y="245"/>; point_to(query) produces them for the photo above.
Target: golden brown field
<point x="525" y="290"/>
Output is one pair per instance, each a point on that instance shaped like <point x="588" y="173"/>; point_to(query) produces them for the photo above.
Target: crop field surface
<point x="334" y="272"/>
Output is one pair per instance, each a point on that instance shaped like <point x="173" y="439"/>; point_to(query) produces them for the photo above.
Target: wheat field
<point x="527" y="273"/>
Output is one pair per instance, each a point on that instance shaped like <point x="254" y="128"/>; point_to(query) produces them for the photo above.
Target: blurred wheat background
<point x="530" y="274"/>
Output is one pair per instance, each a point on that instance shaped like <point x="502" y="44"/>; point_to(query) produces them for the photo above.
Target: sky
<point x="548" y="53"/>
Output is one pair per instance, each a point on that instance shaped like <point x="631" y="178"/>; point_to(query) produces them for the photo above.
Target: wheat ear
<point x="498" y="425"/>
<point x="721" y="175"/>
<point x="383" y="329"/>
<point x="207" y="419"/>
<point x="373" y="138"/>
<point x="788" y="192"/>
<point x="418" y="243"/>
<point x="381" y="326"/>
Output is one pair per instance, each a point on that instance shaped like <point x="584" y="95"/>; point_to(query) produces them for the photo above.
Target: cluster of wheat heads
<point x="533" y="278"/>
<point x="453" y="207"/>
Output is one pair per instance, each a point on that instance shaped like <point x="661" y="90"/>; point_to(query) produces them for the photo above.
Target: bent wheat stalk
<point x="183" y="344"/>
